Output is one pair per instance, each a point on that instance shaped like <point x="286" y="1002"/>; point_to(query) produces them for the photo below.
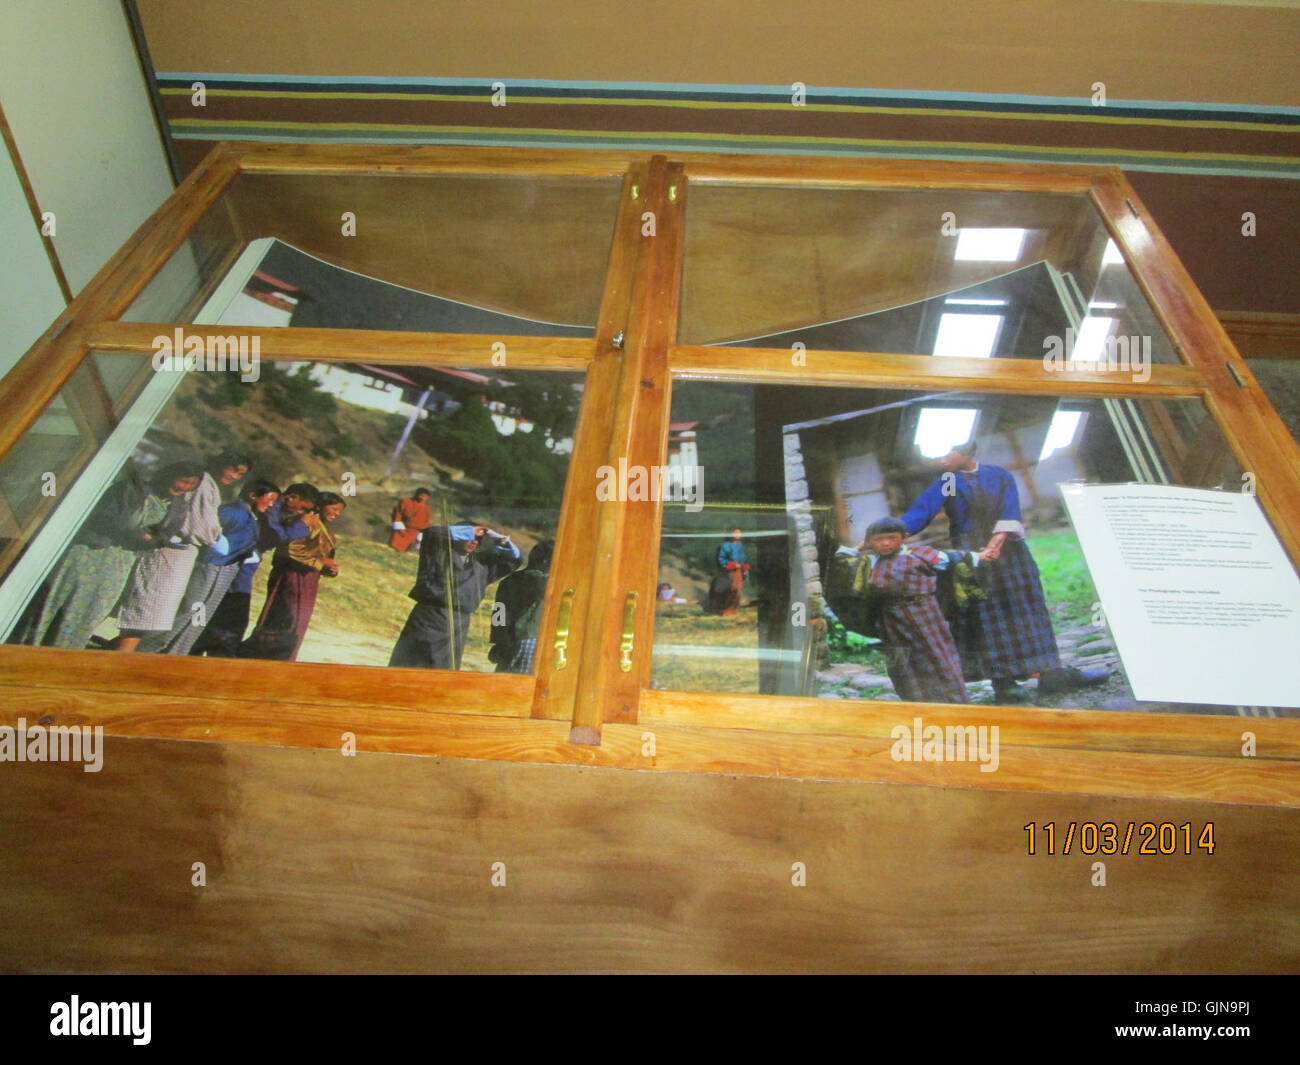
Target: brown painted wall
<point x="1044" y="47"/>
<point x="1187" y="52"/>
<point x="1201" y="216"/>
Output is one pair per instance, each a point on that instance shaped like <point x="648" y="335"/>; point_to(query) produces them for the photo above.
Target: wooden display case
<point x="640" y="826"/>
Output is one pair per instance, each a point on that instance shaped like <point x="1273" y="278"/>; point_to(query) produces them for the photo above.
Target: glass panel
<point x="509" y="255"/>
<point x="186" y="280"/>
<point x="928" y="272"/>
<point x="123" y="375"/>
<point x="765" y="583"/>
<point x="326" y="512"/>
<point x="45" y="462"/>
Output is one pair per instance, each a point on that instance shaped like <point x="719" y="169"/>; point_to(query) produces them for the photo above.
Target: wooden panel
<point x="628" y="530"/>
<point x="258" y="157"/>
<point x="388" y="347"/>
<point x="1027" y="376"/>
<point x="315" y="862"/>
<point x="483" y="718"/>
<point x="706" y="167"/>
<point x="48" y="671"/>
<point x="1262" y="336"/>
<point x="474" y="238"/>
<point x="1192" y="734"/>
<point x="576" y="564"/>
<point x="465" y="723"/>
<point x="701" y="167"/>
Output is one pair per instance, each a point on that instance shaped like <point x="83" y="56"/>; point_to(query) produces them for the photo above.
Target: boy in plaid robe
<point x="919" y="651"/>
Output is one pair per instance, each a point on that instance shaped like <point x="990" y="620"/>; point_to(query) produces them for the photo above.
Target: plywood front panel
<point x="317" y="862"/>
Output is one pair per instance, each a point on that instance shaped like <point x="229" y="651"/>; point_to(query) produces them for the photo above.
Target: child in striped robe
<point x="919" y="650"/>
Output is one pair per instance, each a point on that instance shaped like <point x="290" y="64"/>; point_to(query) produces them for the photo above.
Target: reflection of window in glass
<point x="939" y="428"/>
<point x="990" y="245"/>
<point x="865" y="271"/>
<point x="972" y="336"/>
<point x="958" y="301"/>
<point x="466" y="260"/>
<point x="1061" y="432"/>
<point x="1090" y="344"/>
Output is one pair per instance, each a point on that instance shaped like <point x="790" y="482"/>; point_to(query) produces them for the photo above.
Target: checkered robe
<point x="919" y="651"/>
<point x="524" y="654"/>
<point x="208" y="585"/>
<point x="1008" y="634"/>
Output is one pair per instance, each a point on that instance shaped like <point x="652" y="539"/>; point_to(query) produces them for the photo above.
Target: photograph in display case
<point x="340" y="512"/>
<point x="916" y="545"/>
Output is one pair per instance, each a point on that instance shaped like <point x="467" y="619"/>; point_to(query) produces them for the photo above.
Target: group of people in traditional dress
<point x="297" y="526"/>
<point x="132" y="521"/>
<point x="1001" y="631"/>
<point x="458" y="563"/>
<point x="176" y="565"/>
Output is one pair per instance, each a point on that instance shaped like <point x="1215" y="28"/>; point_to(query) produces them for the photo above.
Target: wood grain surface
<point x="313" y="862"/>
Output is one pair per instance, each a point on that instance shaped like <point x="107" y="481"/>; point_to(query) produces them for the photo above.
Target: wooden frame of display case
<point x="595" y="711"/>
<point x="684" y="867"/>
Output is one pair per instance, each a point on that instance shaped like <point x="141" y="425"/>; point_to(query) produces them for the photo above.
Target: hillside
<point x="297" y="433"/>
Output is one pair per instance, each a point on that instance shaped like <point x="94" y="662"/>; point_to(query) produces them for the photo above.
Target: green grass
<point x="1065" y="578"/>
<point x="683" y="625"/>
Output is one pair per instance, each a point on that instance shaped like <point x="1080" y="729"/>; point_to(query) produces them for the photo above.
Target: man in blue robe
<point x="1007" y="635"/>
<point x="728" y="586"/>
<point x="281" y="523"/>
<point x="215" y="571"/>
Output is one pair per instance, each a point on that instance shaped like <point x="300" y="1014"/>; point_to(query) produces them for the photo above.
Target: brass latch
<point x="629" y="633"/>
<point x="562" y="630"/>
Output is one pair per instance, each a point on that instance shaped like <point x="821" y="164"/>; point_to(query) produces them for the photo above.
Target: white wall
<point x="78" y="105"/>
<point x="29" y="295"/>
